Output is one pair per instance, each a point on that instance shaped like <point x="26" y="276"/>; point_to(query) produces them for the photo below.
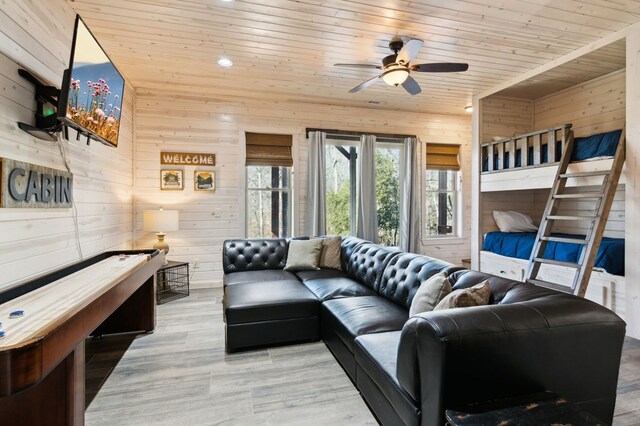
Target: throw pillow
<point x="477" y="295"/>
<point x="514" y="222"/>
<point x="330" y="254"/>
<point x="303" y="255"/>
<point x="430" y="293"/>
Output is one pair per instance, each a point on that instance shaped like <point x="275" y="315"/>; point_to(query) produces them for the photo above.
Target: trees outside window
<point x="441" y="202"/>
<point x="268" y="202"/>
<point x="341" y="186"/>
<point x="342" y="183"/>
<point x="388" y="193"/>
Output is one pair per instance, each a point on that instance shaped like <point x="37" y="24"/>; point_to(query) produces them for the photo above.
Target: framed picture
<point x="171" y="179"/>
<point x="204" y="180"/>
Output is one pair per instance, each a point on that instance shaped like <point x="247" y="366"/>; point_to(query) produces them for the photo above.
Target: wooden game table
<point x="42" y="353"/>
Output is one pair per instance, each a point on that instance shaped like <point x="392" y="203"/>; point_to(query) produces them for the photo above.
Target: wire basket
<point x="173" y="283"/>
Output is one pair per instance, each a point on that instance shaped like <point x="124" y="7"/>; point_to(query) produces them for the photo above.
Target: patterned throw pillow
<point x="477" y="295"/>
<point x="303" y="255"/>
<point x="330" y="254"/>
<point x="430" y="293"/>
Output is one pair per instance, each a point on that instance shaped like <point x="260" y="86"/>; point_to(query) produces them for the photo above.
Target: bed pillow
<point x="430" y="293"/>
<point x="303" y="255"/>
<point x="478" y="295"/>
<point x="514" y="222"/>
<point x="330" y="253"/>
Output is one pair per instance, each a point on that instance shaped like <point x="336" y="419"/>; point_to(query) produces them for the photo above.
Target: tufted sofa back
<point x="254" y="254"/>
<point x="347" y="247"/>
<point x="403" y="275"/>
<point x="367" y="262"/>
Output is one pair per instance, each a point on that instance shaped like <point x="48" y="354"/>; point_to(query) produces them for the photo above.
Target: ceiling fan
<point x="397" y="67"/>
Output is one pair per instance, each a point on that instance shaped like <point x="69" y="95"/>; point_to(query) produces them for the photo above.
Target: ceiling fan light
<point x="396" y="76"/>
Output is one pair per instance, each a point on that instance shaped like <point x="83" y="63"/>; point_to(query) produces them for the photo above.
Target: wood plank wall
<point x="181" y="122"/>
<point x="38" y="36"/>
<point x="593" y="107"/>
<point x="632" y="194"/>
<point x="504" y="117"/>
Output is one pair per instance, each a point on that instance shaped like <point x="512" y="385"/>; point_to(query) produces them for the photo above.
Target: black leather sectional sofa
<point x="410" y="370"/>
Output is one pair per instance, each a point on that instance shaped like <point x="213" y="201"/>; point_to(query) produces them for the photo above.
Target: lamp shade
<point x="395" y="76"/>
<point x="160" y="220"/>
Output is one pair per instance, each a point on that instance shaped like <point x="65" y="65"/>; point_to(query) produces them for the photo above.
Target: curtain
<point x="409" y="197"/>
<point x="367" y="212"/>
<point x="316" y="192"/>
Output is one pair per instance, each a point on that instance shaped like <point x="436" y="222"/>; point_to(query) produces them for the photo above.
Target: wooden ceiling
<point x="594" y="64"/>
<point x="285" y="49"/>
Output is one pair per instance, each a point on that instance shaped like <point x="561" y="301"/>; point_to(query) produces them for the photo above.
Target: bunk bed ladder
<point x="591" y="242"/>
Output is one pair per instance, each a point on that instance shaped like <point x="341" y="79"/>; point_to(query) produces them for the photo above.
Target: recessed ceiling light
<point x="227" y="1"/>
<point x="468" y="108"/>
<point x="225" y="62"/>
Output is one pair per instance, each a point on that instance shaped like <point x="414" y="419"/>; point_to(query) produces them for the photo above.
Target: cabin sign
<point x="29" y="185"/>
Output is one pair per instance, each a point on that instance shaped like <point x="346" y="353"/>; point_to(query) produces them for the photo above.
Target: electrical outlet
<point x="196" y="264"/>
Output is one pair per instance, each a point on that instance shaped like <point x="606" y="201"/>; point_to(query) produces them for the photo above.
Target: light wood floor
<point x="181" y="375"/>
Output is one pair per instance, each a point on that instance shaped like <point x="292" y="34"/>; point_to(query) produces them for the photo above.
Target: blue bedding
<point x="594" y="146"/>
<point x="610" y="256"/>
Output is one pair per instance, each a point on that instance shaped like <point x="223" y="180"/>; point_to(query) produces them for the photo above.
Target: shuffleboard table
<point x="42" y="352"/>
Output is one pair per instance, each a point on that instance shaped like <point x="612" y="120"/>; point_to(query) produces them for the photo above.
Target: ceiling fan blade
<point x="358" y="66"/>
<point x="364" y="85"/>
<point x="440" y="67"/>
<point x="411" y="86"/>
<point x="410" y="50"/>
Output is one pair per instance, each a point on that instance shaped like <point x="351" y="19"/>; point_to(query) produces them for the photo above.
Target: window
<point x="268" y="201"/>
<point x="341" y="186"/>
<point x="442" y="190"/>
<point x="388" y="193"/>
<point x="342" y="157"/>
<point x="442" y="197"/>
<point x="268" y="178"/>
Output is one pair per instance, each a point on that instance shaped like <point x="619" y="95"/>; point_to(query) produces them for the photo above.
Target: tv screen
<point x="92" y="89"/>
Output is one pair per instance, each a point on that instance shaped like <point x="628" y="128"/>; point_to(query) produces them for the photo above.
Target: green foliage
<point x="338" y="210"/>
<point x="388" y="197"/>
<point x="387" y="194"/>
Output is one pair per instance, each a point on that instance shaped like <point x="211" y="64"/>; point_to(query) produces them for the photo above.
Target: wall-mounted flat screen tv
<point x="92" y="89"/>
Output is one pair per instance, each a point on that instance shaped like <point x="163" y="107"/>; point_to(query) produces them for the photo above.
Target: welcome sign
<point x="187" y="159"/>
<point x="29" y="185"/>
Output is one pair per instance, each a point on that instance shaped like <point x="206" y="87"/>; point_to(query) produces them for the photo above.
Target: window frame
<point x="456" y="233"/>
<point x="288" y="190"/>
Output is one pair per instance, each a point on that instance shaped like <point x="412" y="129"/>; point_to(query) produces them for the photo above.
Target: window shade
<point x="443" y="156"/>
<point x="269" y="150"/>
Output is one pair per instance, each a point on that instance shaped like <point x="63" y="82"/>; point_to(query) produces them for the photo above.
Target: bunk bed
<point x="529" y="161"/>
<point x="535" y="165"/>
<point x="610" y="257"/>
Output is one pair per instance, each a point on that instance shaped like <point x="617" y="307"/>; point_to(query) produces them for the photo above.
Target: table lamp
<point x="161" y="221"/>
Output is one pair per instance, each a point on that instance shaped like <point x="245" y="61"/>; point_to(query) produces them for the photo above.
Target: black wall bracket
<point x="47" y="125"/>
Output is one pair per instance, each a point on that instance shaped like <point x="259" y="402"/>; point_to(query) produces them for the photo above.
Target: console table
<point x="42" y="354"/>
